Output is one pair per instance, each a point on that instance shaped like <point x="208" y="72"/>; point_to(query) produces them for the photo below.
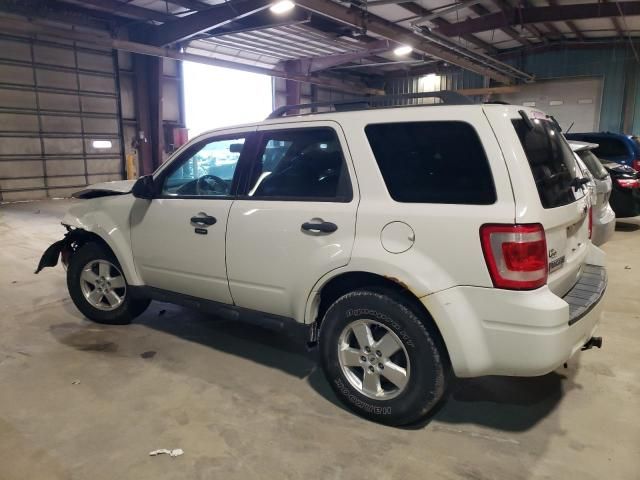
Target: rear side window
<point x="432" y="162"/>
<point x="551" y="160"/>
<point x="301" y="164"/>
<point x="594" y="164"/>
<point x="610" y="147"/>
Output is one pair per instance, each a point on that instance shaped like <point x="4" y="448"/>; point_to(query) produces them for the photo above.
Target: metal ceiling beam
<point x="262" y="22"/>
<point x="123" y="9"/>
<point x="187" y="27"/>
<point x="310" y="65"/>
<point x="418" y="10"/>
<point x="556" y="13"/>
<point x="24" y="27"/>
<point x="191" y="4"/>
<point x="572" y="26"/>
<point x="506" y="6"/>
<point x="514" y="34"/>
<point x="385" y="29"/>
<point x="616" y="23"/>
<point x="436" y="13"/>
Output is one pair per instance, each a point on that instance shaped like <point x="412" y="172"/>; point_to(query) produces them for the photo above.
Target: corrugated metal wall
<point x="456" y="80"/>
<point x="57" y="99"/>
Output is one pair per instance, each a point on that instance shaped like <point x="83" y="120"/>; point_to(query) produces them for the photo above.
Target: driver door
<point x="178" y="238"/>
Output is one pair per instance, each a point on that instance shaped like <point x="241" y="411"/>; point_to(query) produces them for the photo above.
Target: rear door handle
<point x="205" y="220"/>
<point x="324" y="227"/>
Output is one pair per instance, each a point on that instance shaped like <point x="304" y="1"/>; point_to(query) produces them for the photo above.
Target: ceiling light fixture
<point x="282" y="6"/>
<point x="403" y="50"/>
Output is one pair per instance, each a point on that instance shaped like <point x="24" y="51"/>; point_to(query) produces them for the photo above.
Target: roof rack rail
<point x="361" y="103"/>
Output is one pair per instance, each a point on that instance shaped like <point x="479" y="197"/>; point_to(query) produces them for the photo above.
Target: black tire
<point x="428" y="370"/>
<point x="130" y="307"/>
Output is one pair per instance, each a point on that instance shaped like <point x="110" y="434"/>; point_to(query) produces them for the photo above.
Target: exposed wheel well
<point x="78" y="237"/>
<point x="348" y="282"/>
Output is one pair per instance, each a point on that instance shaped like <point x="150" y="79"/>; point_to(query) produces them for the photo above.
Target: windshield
<point x="551" y="160"/>
<point x="594" y="164"/>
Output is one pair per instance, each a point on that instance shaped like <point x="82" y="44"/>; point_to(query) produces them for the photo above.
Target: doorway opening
<point x="216" y="97"/>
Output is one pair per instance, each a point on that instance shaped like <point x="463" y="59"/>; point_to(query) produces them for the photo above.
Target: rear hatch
<point x="562" y="205"/>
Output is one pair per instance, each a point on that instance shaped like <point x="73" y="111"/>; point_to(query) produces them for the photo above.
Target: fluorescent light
<point x="282" y="6"/>
<point x="101" y="144"/>
<point x="403" y="50"/>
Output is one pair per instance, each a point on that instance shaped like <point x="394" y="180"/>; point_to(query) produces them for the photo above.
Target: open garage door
<point x="59" y="118"/>
<point x="574" y="101"/>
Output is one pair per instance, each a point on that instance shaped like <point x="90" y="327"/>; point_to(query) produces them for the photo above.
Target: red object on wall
<point x="180" y="136"/>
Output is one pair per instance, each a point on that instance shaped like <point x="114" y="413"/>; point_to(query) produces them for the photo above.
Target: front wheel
<point x="381" y="359"/>
<point x="98" y="287"/>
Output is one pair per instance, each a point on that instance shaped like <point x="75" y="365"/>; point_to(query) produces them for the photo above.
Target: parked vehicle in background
<point x="603" y="217"/>
<point x="351" y="225"/>
<point x="625" y="195"/>
<point x="614" y="147"/>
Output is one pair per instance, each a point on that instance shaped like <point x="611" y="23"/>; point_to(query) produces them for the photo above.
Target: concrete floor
<point x="80" y="400"/>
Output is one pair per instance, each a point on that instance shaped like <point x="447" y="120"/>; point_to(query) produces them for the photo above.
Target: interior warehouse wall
<point x="57" y="98"/>
<point x="452" y="80"/>
<point x="617" y="66"/>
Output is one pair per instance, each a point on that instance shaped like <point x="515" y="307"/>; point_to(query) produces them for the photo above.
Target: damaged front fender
<point x="62" y="248"/>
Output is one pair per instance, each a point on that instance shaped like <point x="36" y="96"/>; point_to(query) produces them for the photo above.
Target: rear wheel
<point x="381" y="359"/>
<point x="99" y="289"/>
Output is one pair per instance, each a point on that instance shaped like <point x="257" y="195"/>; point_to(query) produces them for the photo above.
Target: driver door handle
<point x="203" y="221"/>
<point x="324" y="227"/>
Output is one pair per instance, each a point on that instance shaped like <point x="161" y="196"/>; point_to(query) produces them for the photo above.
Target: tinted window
<point x="432" y="162"/>
<point x="300" y="164"/>
<point x="593" y="164"/>
<point x="205" y="169"/>
<point x="610" y="147"/>
<point x="551" y="160"/>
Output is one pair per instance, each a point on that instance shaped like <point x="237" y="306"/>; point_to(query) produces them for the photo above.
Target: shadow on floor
<point x="502" y="403"/>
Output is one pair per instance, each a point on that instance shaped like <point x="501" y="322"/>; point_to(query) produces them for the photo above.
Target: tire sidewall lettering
<point x="358" y="402"/>
<point x="368" y="313"/>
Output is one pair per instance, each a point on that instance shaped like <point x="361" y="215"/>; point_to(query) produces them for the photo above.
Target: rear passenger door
<point x="296" y="220"/>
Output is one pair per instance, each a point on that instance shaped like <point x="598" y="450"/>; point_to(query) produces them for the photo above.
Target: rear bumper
<point x="501" y="332"/>
<point x="625" y="202"/>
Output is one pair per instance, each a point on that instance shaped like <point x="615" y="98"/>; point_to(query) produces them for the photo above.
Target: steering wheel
<point x="208" y="184"/>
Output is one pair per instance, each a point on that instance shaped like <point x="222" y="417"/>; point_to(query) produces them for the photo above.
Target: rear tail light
<point x="628" y="182"/>
<point x="516" y="255"/>
<point x="590" y="221"/>
<point x="636" y="164"/>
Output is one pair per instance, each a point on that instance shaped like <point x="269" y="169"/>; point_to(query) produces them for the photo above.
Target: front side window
<point x="205" y="170"/>
<point x="305" y="164"/>
<point x="551" y="160"/>
<point x="432" y="162"/>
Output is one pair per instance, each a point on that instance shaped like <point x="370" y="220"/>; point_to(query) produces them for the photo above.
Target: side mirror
<point x="144" y="188"/>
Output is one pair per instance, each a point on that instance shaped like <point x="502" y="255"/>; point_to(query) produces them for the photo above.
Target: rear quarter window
<point x="610" y="147"/>
<point x="551" y="160"/>
<point x="594" y="164"/>
<point x="432" y="162"/>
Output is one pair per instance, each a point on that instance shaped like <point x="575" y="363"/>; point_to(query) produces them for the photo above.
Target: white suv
<point x="413" y="243"/>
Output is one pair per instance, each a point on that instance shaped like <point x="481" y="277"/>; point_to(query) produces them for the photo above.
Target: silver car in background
<point x="604" y="218"/>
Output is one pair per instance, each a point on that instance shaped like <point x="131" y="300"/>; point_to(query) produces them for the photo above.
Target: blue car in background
<point x="620" y="156"/>
<point x="615" y="147"/>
